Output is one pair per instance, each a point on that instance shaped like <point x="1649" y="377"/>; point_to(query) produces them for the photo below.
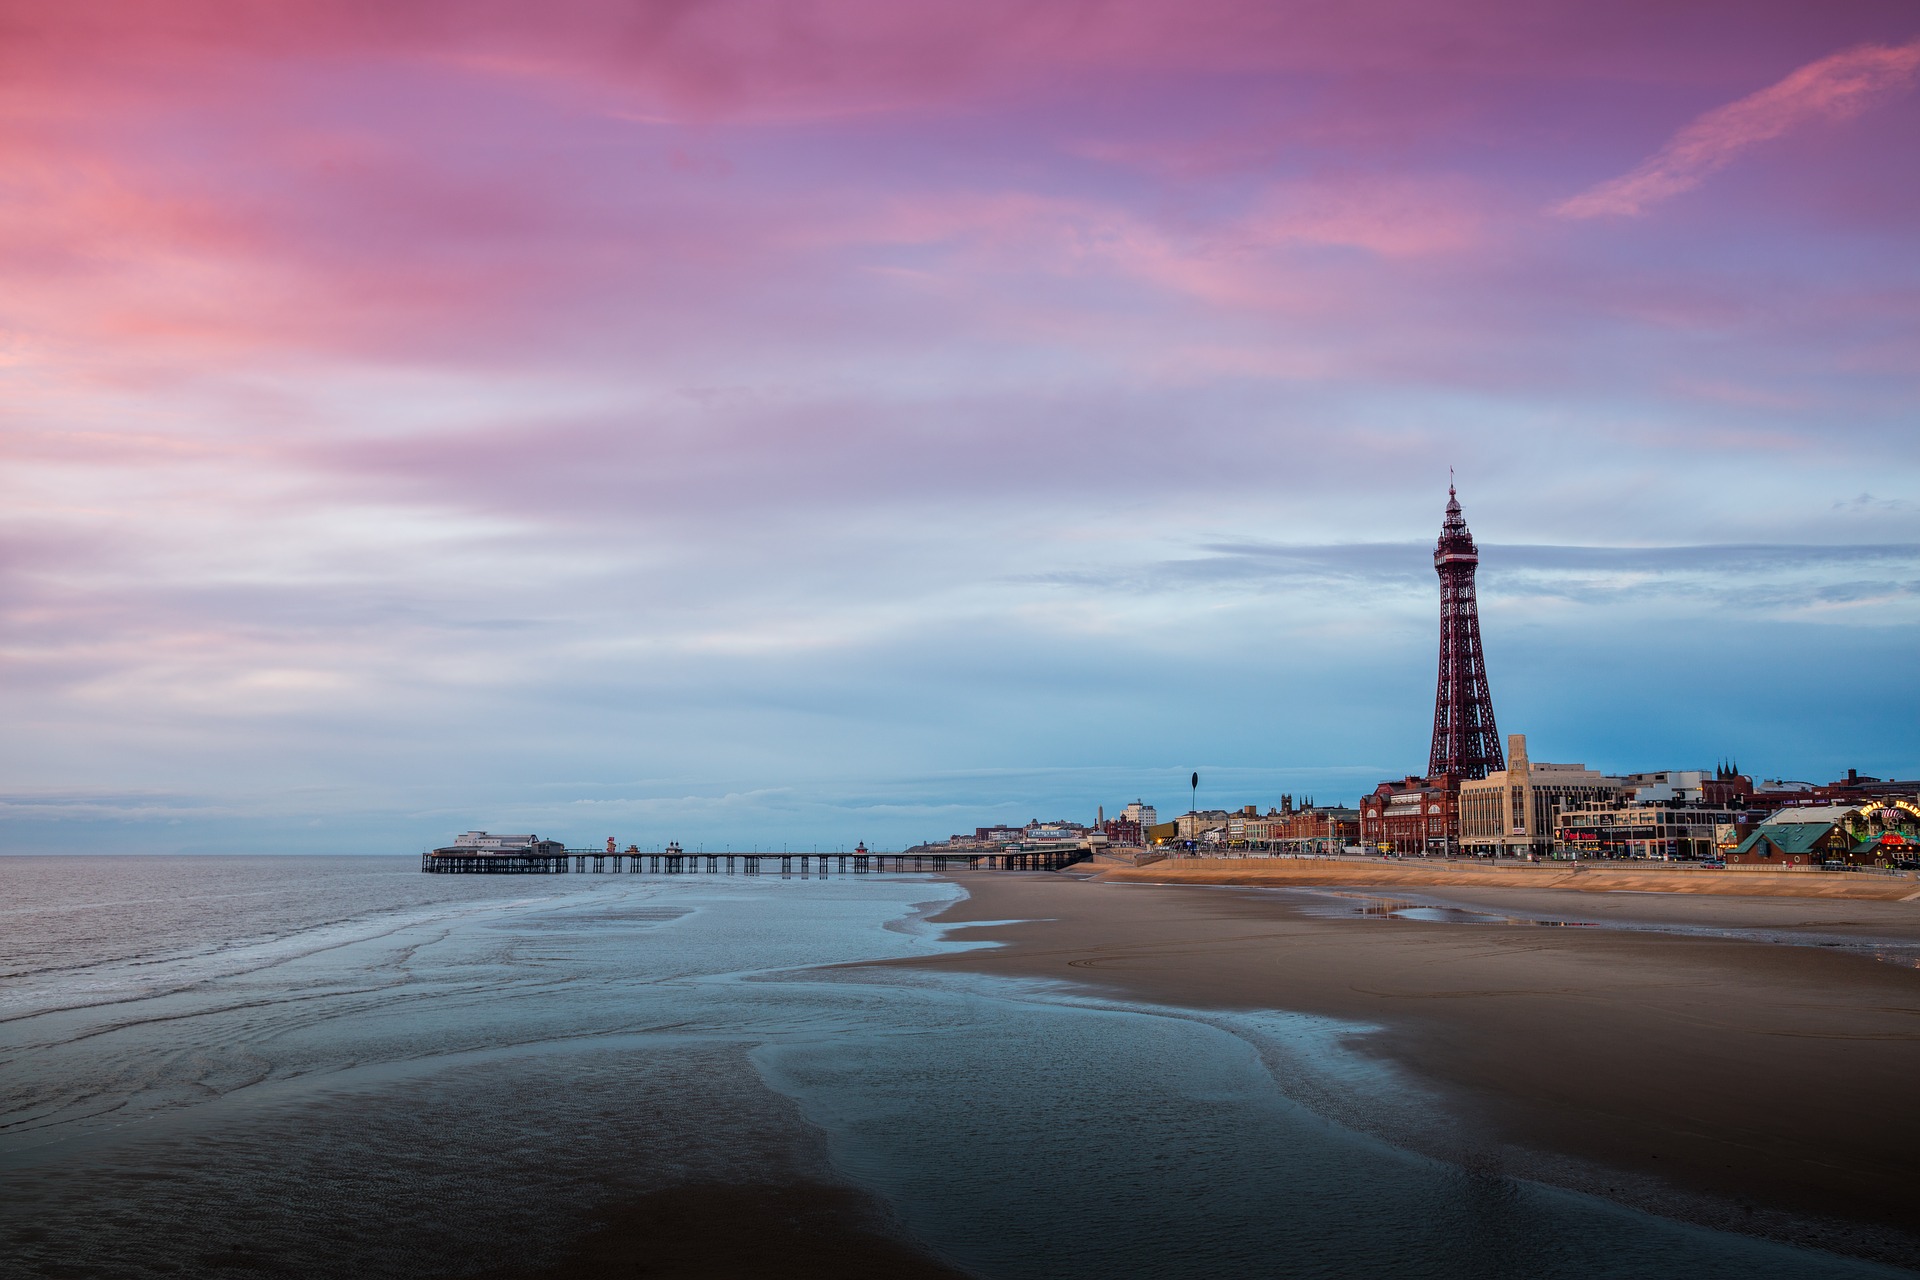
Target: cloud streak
<point x="1838" y="87"/>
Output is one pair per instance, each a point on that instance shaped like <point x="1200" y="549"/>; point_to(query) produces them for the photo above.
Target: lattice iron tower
<point x="1466" y="742"/>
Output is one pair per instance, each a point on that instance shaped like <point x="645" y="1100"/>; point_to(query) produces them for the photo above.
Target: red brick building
<point x="1335" y="826"/>
<point x="1413" y="817"/>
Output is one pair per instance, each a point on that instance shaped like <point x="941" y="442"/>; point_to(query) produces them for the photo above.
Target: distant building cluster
<point x="1305" y="827"/>
<point x="1289" y="827"/>
<point x="1475" y="800"/>
<point x="1532" y="809"/>
<point x="1484" y="797"/>
<point x="1126" y="830"/>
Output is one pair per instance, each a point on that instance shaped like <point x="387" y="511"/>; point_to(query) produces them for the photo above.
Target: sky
<point x="765" y="422"/>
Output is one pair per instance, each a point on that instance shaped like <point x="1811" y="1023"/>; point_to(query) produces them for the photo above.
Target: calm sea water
<point x="340" y="1066"/>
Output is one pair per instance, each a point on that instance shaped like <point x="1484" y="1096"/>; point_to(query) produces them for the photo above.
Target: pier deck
<point x="632" y="862"/>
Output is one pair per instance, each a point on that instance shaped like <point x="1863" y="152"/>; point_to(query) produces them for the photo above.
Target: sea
<point x="339" y="1066"/>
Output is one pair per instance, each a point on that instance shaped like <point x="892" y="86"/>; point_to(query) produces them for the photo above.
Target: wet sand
<point x="723" y="1232"/>
<point x="1737" y="1083"/>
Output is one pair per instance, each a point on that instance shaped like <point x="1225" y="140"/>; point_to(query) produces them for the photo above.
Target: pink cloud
<point x="1390" y="215"/>
<point x="817" y="59"/>
<point x="1838" y="87"/>
<point x="389" y="196"/>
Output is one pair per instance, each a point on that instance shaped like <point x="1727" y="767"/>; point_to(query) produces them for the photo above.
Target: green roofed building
<point x="1792" y="844"/>
<point x="1857" y="835"/>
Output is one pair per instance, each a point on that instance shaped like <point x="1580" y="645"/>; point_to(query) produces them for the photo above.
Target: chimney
<point x="1517" y="755"/>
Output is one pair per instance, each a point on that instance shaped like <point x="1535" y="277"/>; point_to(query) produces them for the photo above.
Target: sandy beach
<point x="1731" y="1080"/>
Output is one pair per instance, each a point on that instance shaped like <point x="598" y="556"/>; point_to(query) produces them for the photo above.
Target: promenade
<point x="1584" y="877"/>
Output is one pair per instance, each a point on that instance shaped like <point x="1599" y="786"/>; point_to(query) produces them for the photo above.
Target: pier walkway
<point x="679" y="862"/>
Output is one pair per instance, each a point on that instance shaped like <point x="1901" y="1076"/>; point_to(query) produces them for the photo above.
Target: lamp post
<point x="1193" y="812"/>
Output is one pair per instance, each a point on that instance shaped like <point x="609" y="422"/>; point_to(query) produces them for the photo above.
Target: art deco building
<point x="1512" y="811"/>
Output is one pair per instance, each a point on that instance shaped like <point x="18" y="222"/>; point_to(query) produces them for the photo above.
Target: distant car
<point x="1710" y="862"/>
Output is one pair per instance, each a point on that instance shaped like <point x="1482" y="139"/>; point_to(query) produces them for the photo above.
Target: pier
<point x="675" y="861"/>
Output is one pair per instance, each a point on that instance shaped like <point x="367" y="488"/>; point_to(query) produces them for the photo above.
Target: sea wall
<point x="1583" y="877"/>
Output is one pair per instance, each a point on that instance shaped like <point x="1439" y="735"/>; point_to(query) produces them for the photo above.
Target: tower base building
<point x="1414" y="817"/>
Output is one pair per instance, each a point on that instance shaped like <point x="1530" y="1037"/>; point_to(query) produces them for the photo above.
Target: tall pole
<point x="1193" y="812"/>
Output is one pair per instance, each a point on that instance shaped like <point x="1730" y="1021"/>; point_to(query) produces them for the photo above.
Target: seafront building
<point x="1303" y="828"/>
<point x="1512" y="812"/>
<point x="1667" y="830"/>
<point x="1798" y="837"/>
<point x="1201" y="824"/>
<point x="1412" y="817"/>
<point x="1695" y="815"/>
<point x="1123" y="832"/>
<point x="482" y="843"/>
<point x="1131" y="828"/>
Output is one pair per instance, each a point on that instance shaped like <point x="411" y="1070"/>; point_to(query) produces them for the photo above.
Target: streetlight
<point x="1193" y="814"/>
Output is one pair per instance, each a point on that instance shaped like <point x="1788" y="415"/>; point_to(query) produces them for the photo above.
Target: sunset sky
<point x="755" y="422"/>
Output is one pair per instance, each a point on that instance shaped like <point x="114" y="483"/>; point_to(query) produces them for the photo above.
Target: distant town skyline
<point x="874" y="423"/>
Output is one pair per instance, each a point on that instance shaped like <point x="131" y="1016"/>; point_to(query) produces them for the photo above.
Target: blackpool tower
<point x="1465" y="742"/>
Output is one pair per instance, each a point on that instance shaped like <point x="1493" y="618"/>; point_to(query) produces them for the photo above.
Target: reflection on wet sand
<point x="1405" y="909"/>
<point x="1901" y="951"/>
<point x="1643" y="1059"/>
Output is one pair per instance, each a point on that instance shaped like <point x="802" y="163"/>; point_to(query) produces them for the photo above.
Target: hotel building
<point x="1412" y="817"/>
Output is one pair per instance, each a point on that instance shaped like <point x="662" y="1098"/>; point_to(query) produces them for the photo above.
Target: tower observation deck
<point x="1466" y="742"/>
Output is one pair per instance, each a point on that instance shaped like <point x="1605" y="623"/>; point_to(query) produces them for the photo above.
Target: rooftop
<point x="1810" y="815"/>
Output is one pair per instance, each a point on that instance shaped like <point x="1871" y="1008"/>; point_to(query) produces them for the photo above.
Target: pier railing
<point x="631" y="862"/>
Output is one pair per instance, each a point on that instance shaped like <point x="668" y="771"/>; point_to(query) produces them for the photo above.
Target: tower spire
<point x="1466" y="742"/>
